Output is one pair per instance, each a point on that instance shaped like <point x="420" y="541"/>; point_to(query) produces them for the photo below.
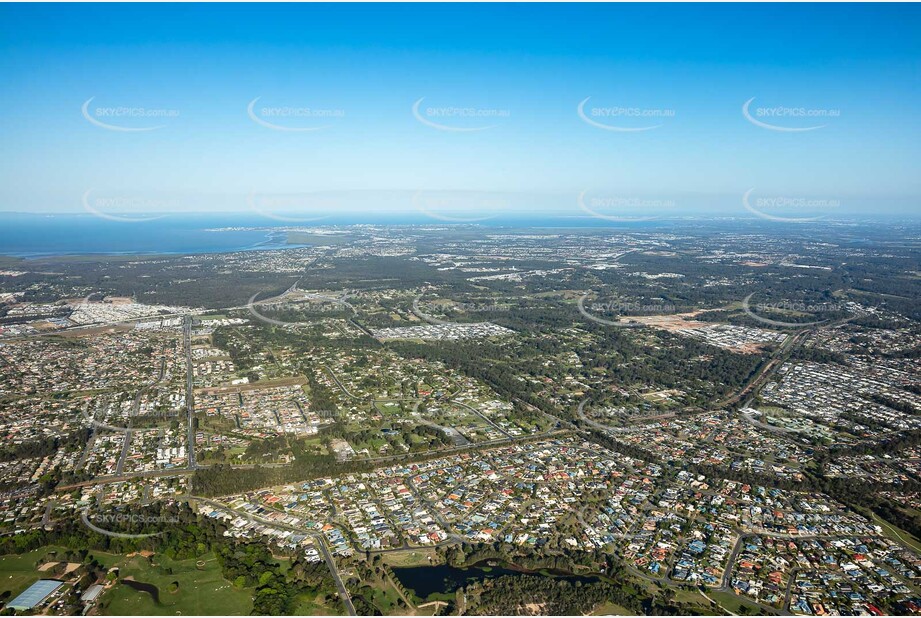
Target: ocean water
<point x="33" y="236"/>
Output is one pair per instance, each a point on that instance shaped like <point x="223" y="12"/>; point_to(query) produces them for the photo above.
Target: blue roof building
<point x="35" y="594"/>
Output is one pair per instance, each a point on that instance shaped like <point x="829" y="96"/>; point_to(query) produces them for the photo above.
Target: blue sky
<point x="527" y="68"/>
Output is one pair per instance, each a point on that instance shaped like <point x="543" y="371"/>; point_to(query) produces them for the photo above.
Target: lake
<point x="443" y="578"/>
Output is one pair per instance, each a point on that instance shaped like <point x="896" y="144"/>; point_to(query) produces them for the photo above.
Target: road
<point x="478" y="413"/>
<point x="46" y="517"/>
<point x="335" y="378"/>
<point x="351" y="395"/>
<point x="334" y="571"/>
<point x="100" y="480"/>
<point x="135" y="410"/>
<point x="448" y="528"/>
<point x="779" y="356"/>
<point x="126" y="446"/>
<point x="189" y="389"/>
<point x="791" y="579"/>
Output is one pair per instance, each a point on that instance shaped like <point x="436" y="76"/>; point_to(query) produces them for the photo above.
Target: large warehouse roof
<point x="35" y="594"/>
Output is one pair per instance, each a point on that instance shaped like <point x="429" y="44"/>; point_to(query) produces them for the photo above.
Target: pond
<point x="442" y="578"/>
<point x="150" y="589"/>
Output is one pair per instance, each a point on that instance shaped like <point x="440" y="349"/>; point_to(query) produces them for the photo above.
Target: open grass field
<point x="19" y="572"/>
<point x="200" y="590"/>
<point x="897" y="534"/>
<point x="411" y="558"/>
<point x="734" y="604"/>
<point x="703" y="606"/>
<point x="611" y="609"/>
<point x="317" y="605"/>
<point x="387" y="407"/>
<point x="385" y="597"/>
